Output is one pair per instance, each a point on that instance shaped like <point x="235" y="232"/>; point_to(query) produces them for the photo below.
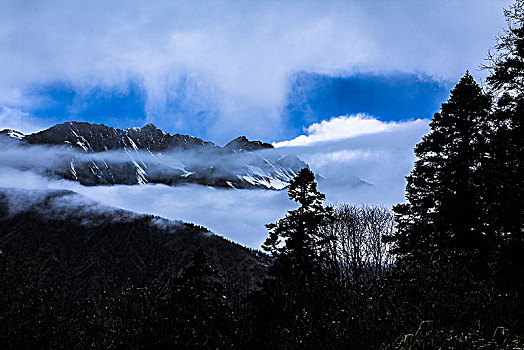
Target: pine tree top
<point x="303" y="189"/>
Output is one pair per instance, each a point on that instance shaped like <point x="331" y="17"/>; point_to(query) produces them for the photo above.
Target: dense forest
<point x="444" y="270"/>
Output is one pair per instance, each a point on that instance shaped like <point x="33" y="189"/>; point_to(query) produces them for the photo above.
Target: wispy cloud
<point x="24" y="122"/>
<point x="229" y="62"/>
<point x="239" y="215"/>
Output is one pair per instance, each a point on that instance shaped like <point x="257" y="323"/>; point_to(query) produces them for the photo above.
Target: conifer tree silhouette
<point x="505" y="209"/>
<point x="288" y="311"/>
<point x="444" y="191"/>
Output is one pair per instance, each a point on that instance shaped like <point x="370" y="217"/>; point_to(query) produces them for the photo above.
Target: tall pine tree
<point x="507" y="84"/>
<point x="297" y="241"/>
<point x="289" y="310"/>
<point x="444" y="189"/>
<point x="444" y="241"/>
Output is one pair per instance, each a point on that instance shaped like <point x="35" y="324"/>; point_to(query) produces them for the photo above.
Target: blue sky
<point x="61" y="102"/>
<point x="311" y="98"/>
<point x="221" y="69"/>
<point x="394" y="97"/>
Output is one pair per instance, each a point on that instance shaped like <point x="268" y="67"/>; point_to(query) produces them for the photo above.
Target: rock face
<point x="95" y="154"/>
<point x="241" y="143"/>
<point x="12" y="134"/>
<point x="99" y="138"/>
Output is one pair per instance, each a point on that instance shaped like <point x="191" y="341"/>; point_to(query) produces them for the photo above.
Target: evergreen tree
<point x="505" y="206"/>
<point x="290" y="310"/>
<point x="203" y="319"/>
<point x="297" y="241"/>
<point x="444" y="190"/>
<point x="504" y="173"/>
<point x="447" y="245"/>
<point x="506" y="65"/>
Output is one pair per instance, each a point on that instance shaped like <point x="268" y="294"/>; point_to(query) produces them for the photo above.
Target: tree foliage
<point x="297" y="240"/>
<point x="445" y="189"/>
<point x="460" y="233"/>
<point x="506" y="81"/>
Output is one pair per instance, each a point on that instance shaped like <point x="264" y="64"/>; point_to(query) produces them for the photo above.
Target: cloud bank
<point x="378" y="153"/>
<point x="367" y="168"/>
<point x="343" y="127"/>
<point x="229" y="62"/>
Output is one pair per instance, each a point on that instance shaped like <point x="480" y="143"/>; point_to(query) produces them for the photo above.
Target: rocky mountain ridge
<point x="102" y="155"/>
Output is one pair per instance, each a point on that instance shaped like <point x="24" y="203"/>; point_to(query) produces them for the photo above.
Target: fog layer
<point x="368" y="168"/>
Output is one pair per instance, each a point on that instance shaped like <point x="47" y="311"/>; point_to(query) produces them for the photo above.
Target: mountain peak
<point x="99" y="137"/>
<point x="147" y="129"/>
<point x="149" y="126"/>
<point x="242" y="143"/>
<point x="149" y="155"/>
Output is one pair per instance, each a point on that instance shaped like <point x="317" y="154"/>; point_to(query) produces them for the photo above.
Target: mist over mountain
<point x="87" y="247"/>
<point x="94" y="154"/>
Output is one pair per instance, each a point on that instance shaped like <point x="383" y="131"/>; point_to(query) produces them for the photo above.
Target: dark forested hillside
<point x="62" y="255"/>
<point x="92" y="247"/>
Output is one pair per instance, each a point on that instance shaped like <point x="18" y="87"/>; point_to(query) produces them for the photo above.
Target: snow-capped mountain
<point x="95" y="154"/>
<point x="12" y="133"/>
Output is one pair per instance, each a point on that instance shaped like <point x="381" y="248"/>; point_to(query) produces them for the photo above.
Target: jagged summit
<point x="150" y="126"/>
<point x="98" y="138"/>
<point x="241" y="143"/>
<point x="92" y="137"/>
<point x="146" y="128"/>
<point x="147" y="154"/>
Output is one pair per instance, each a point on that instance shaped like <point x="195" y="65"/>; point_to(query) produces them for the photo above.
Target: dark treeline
<point x="443" y="270"/>
<point x="448" y="271"/>
<point x="121" y="281"/>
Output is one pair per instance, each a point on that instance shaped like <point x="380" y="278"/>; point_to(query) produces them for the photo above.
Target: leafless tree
<point x="357" y="250"/>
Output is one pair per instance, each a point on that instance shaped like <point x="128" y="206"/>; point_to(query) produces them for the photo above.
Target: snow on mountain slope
<point x="12" y="134"/>
<point x="95" y="154"/>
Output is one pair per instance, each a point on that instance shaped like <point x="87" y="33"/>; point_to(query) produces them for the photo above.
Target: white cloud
<point x="239" y="215"/>
<point x="343" y="127"/>
<point x="381" y="159"/>
<point x="233" y="56"/>
<point x="11" y="118"/>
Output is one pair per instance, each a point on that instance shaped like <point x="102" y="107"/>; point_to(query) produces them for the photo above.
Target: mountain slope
<point x="95" y="154"/>
<point x="86" y="248"/>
